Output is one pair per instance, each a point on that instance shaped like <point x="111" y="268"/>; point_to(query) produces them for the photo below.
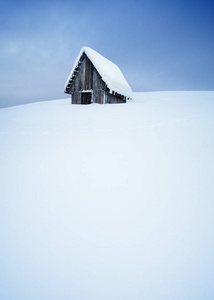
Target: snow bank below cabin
<point x="108" y="201"/>
<point x="109" y="72"/>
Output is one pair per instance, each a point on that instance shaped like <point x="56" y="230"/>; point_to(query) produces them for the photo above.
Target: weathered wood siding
<point x="114" y="98"/>
<point x="98" y="87"/>
<point x="91" y="80"/>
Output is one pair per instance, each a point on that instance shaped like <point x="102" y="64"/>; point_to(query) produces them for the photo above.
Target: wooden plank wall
<point x="93" y="82"/>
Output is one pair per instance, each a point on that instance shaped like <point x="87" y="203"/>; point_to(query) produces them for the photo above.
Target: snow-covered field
<point x="108" y="201"/>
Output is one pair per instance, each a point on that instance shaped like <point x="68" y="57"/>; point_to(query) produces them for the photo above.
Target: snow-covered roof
<point x="109" y="72"/>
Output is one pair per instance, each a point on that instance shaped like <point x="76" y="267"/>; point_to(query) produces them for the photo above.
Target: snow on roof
<point x="109" y="72"/>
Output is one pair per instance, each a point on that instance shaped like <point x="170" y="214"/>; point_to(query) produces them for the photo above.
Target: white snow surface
<point x="109" y="72"/>
<point x="108" y="201"/>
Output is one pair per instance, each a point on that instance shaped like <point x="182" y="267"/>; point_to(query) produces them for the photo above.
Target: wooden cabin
<point x="96" y="79"/>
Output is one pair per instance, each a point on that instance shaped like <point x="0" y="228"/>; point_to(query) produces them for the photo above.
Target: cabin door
<point x="85" y="98"/>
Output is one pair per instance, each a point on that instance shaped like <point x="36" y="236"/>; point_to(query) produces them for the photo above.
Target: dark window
<point x="86" y="98"/>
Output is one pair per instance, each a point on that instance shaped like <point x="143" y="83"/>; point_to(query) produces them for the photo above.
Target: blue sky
<point x="158" y="45"/>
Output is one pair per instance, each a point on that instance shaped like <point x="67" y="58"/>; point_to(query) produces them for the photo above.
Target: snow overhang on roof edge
<point x="109" y="72"/>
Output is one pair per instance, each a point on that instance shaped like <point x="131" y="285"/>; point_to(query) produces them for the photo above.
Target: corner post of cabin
<point x="86" y="70"/>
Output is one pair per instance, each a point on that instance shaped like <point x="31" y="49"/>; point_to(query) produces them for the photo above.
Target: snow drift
<point x="108" y="202"/>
